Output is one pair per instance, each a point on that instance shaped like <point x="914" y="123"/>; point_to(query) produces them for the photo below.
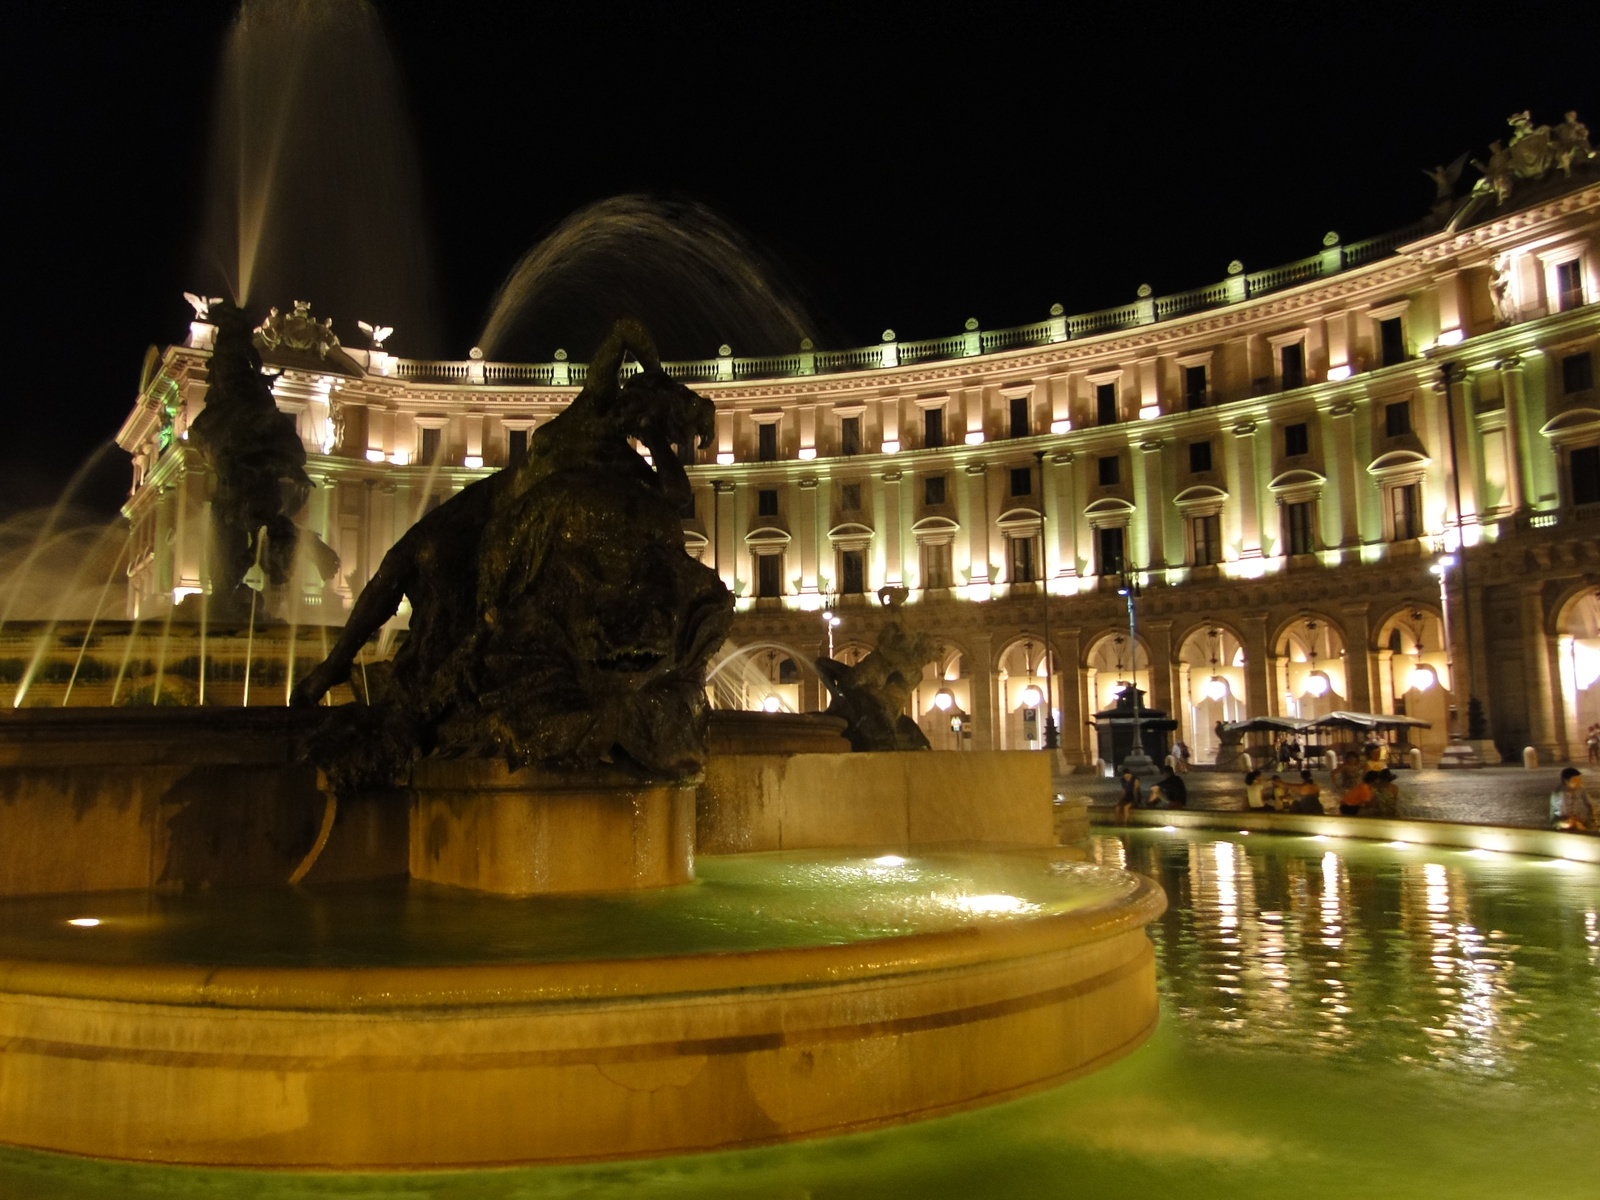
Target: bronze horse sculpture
<point x="556" y="619"/>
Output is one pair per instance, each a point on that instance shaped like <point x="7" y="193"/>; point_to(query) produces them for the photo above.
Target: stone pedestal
<point x="475" y="824"/>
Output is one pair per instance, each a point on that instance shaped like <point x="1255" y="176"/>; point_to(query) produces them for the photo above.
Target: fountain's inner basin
<point x="737" y="903"/>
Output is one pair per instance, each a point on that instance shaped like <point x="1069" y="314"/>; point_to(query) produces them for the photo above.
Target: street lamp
<point x="832" y="622"/>
<point x="1137" y="760"/>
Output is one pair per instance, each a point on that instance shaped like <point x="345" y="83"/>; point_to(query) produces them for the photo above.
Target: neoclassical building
<point x="1289" y="468"/>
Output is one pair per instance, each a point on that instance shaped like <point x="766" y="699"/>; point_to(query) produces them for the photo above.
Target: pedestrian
<point x="1594" y="744"/>
<point x="1355" y="801"/>
<point x="1253" y="789"/>
<point x="1130" y="798"/>
<point x="1180" y="756"/>
<point x="1297" y="752"/>
<point x="1308" y="796"/>
<point x="1570" y="807"/>
<point x="1285" y="757"/>
<point x="1169" y="791"/>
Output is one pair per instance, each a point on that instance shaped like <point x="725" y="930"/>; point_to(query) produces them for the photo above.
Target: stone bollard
<point x="1530" y="757"/>
<point x="1414" y="757"/>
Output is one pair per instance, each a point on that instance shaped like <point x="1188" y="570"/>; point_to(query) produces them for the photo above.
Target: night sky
<point x="906" y="166"/>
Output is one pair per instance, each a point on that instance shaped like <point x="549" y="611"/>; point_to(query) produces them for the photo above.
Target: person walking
<point x="1570" y="807"/>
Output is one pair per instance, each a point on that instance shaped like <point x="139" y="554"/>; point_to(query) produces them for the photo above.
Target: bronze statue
<point x="259" y="463"/>
<point x="556" y="619"/>
<point x="871" y="696"/>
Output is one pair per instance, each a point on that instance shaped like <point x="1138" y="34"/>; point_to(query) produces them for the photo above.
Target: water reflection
<point x="1346" y="949"/>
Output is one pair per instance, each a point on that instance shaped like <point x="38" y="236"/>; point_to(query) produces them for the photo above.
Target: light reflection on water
<point x="1280" y="944"/>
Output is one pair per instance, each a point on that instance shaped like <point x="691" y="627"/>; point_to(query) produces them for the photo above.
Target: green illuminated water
<point x="1340" y="1019"/>
<point x="743" y="902"/>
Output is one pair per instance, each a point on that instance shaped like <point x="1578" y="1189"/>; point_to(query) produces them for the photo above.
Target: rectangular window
<point x="933" y="489"/>
<point x="1569" y="285"/>
<point x="767" y="441"/>
<point x="769" y="575"/>
<point x="516" y="447"/>
<point x="430" y="446"/>
<point x="850" y="497"/>
<point x="1397" y="418"/>
<point x="936" y="566"/>
<point x="1199" y="457"/>
<point x="1021" y="481"/>
<point x="1022" y="560"/>
<point x="853" y="572"/>
<point x="1109" y="547"/>
<point x="1292" y="365"/>
<point x="1296" y="440"/>
<point x="1298" y="528"/>
<point x="1110" y="470"/>
<point x="1194" y="386"/>
<point x="1405" y="504"/>
<point x="1207" y="540"/>
<point x="1585" y="467"/>
<point x="767" y="502"/>
<point x="1019" y="417"/>
<point x="850" y="435"/>
<point x="1577" y="373"/>
<point x="933" y="427"/>
<point x="1392" y="341"/>
<point x="1105" y="400"/>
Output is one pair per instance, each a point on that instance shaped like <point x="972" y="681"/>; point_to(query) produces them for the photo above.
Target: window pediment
<point x="935" y="531"/>
<point x="768" y="539"/>
<point x="850" y="535"/>
<point x="1574" y="423"/>
<point x="1110" y="511"/>
<point x="1201" y="500"/>
<point x="1397" y="462"/>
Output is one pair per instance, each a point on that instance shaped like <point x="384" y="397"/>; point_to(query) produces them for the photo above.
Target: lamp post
<point x="1458" y="753"/>
<point x="1137" y="760"/>
<point x="1052" y="736"/>
<point x="832" y="622"/>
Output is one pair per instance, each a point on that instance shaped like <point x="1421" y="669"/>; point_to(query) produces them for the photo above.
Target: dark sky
<point x="907" y="165"/>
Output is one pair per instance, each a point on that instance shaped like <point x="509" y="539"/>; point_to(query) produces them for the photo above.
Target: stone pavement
<point x="1503" y="795"/>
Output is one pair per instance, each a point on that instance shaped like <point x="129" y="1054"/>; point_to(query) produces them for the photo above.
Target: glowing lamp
<point x="472" y="462"/>
<point x="1339" y="373"/>
<point x="1216" y="687"/>
<point x="375" y="456"/>
<point x="891" y="447"/>
<point x="771" y="704"/>
<point x="975" y="438"/>
<point x="1423" y="678"/>
<point x="725" y="458"/>
<point x="1317" y="684"/>
<point x="943" y="699"/>
<point x="1451" y="337"/>
<point x="1060" y="426"/>
<point x="1031" y="695"/>
<point x="84" y="922"/>
<point x="807" y="453"/>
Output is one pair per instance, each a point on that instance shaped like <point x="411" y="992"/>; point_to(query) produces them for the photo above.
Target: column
<point x="1064" y="547"/>
<point x="1158" y="635"/>
<point x="984" y="700"/>
<point x="722" y="532"/>
<point x="1342" y="419"/>
<point x="1511" y="393"/>
<point x="1254" y="628"/>
<point x="1074" y="733"/>
<point x="806" y="535"/>
<point x="1244" y="482"/>
<point x="1386" y="680"/>
<point x="1537" y="677"/>
<point x="975" y="519"/>
<point x="1147" y="499"/>
<point x="1357" y="658"/>
<point x="892" y="571"/>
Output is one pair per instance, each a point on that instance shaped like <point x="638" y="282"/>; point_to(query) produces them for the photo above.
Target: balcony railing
<point x="1057" y="328"/>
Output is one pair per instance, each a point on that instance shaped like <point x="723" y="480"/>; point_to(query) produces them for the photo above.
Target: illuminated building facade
<point x="1277" y="461"/>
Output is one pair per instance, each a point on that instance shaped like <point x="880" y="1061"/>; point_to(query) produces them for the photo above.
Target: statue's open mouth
<point x="629" y="660"/>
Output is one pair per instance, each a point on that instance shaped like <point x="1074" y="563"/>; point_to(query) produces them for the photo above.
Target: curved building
<point x="1290" y="468"/>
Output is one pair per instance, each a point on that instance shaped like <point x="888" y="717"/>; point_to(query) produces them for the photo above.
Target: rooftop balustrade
<point x="1147" y="310"/>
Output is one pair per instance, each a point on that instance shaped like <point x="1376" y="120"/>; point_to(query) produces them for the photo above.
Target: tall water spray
<point x="313" y="188"/>
<point x="679" y="267"/>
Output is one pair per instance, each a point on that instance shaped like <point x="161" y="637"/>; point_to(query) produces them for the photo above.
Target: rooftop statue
<point x="872" y="695"/>
<point x="1531" y="153"/>
<point x="556" y="620"/>
<point x="259" y="462"/>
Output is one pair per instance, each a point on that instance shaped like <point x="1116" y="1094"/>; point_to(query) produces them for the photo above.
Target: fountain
<point x="559" y="978"/>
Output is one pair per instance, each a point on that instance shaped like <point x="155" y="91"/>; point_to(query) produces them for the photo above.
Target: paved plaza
<point x="1503" y="795"/>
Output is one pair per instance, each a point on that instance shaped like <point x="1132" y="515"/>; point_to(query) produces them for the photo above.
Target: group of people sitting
<point x="1364" y="789"/>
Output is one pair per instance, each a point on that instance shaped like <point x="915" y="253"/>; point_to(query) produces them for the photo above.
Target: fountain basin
<point x="175" y="1056"/>
<point x="476" y="824"/>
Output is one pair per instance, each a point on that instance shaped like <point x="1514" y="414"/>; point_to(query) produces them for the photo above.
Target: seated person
<point x="1355" y="800"/>
<point x="1385" y="794"/>
<point x="1278" y="793"/>
<point x="1169" y="791"/>
<point x="1308" y="796"/>
<point x="1570" y="807"/>
<point x="1254" y="798"/>
<point x="1349" y="772"/>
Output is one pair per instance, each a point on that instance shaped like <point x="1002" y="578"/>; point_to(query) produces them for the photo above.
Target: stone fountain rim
<point x="365" y="989"/>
